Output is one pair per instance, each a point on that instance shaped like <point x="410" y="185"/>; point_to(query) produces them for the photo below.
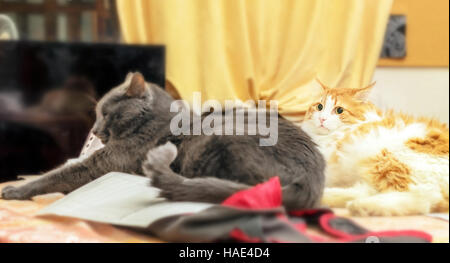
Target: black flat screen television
<point x="48" y="93"/>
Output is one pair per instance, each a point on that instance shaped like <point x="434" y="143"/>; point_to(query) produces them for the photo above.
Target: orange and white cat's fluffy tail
<point x="362" y="200"/>
<point x="418" y="200"/>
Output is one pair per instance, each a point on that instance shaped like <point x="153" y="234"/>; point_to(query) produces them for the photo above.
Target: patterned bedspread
<point x="18" y="223"/>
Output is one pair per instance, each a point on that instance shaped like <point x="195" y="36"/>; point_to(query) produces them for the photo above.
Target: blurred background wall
<point x="418" y="83"/>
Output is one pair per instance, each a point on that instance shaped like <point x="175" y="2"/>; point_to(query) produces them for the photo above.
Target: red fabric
<point x="309" y="212"/>
<point x="346" y="237"/>
<point x="268" y="195"/>
<point x="262" y="196"/>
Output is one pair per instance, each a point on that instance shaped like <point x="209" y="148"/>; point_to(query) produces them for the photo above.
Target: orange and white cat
<point x="379" y="163"/>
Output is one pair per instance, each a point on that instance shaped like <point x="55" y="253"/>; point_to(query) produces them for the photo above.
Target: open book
<point x="120" y="199"/>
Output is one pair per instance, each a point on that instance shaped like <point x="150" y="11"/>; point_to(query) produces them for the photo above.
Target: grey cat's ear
<point x="137" y="86"/>
<point x="363" y="93"/>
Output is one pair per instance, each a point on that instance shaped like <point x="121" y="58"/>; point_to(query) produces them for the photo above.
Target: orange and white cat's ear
<point x="137" y="85"/>
<point x="324" y="88"/>
<point x="363" y="93"/>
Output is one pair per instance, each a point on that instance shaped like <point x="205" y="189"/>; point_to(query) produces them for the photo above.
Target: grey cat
<point x="133" y="122"/>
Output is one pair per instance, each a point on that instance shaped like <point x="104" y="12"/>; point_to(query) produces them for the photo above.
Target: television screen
<point x="48" y="93"/>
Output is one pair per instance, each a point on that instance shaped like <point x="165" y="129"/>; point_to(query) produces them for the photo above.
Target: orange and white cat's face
<point x="337" y="108"/>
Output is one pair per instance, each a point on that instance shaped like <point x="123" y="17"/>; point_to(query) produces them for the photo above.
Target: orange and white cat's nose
<point x="322" y="120"/>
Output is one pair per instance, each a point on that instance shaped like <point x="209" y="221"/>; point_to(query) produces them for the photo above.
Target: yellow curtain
<point x="261" y="49"/>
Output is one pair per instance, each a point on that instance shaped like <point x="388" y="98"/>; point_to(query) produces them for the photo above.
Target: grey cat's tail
<point x="175" y="187"/>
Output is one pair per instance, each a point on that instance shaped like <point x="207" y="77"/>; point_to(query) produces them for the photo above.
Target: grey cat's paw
<point x="14" y="193"/>
<point x="159" y="159"/>
<point x="157" y="167"/>
<point x="168" y="183"/>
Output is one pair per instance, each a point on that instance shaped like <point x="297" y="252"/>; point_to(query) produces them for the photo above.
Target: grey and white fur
<point x="133" y="121"/>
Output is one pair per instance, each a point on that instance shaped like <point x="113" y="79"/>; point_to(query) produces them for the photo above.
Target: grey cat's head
<point x="129" y="107"/>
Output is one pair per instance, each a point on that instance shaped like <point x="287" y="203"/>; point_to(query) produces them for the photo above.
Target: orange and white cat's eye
<point x="319" y="107"/>
<point x="339" y="110"/>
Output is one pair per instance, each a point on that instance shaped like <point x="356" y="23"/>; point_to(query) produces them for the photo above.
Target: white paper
<point x="120" y="199"/>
